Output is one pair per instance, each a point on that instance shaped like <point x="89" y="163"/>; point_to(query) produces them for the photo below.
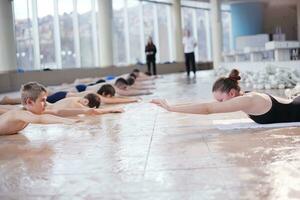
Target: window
<point x="163" y="32"/>
<point x="119" y="45"/>
<point x="68" y="54"/>
<point x="136" y="46"/>
<point x="187" y="19"/>
<point x="84" y="10"/>
<point x="63" y="33"/>
<point x="226" y="28"/>
<point x="23" y="34"/>
<point x="46" y="33"/>
<point x="202" y="43"/>
<point x="148" y="11"/>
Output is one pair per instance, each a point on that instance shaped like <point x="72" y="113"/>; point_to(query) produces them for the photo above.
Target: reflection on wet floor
<point x="147" y="153"/>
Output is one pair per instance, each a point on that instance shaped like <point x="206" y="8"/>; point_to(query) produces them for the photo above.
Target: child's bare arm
<point x="108" y="110"/>
<point x="68" y="112"/>
<point x="2" y="111"/>
<point x="5" y="108"/>
<point x="115" y="100"/>
<point x="142" y="87"/>
<point x="133" y="92"/>
<point x="29" y="117"/>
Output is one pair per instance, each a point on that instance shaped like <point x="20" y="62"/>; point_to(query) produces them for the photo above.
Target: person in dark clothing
<point x="150" y="51"/>
<point x="189" y="44"/>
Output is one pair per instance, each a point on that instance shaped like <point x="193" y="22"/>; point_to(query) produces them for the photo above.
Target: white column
<point x="177" y="31"/>
<point x="298" y="18"/>
<point x="216" y="31"/>
<point x="7" y="48"/>
<point x="105" y="32"/>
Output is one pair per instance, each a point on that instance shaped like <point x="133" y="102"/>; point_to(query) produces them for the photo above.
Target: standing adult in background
<point x="150" y="51"/>
<point x="189" y="45"/>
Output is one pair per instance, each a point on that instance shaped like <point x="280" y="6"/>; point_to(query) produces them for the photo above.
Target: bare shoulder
<point x="257" y="96"/>
<point x="240" y="103"/>
<point x="16" y="114"/>
<point x="20" y="114"/>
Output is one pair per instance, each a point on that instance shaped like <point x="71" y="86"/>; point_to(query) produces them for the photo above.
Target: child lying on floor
<point x="33" y="97"/>
<point x="106" y="93"/>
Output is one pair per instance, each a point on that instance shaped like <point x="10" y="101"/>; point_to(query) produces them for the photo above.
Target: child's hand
<point x="138" y="99"/>
<point x="91" y="111"/>
<point x="73" y="121"/>
<point x="161" y="102"/>
<point x="117" y="110"/>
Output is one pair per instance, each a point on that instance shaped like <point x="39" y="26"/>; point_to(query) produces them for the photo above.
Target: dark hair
<point x="130" y="81"/>
<point x="94" y="100"/>
<point x="120" y="82"/>
<point x="132" y="75"/>
<point x="148" y="73"/>
<point x="31" y="90"/>
<point x="100" y="81"/>
<point x="136" y="71"/>
<point x="225" y="84"/>
<point x="107" y="89"/>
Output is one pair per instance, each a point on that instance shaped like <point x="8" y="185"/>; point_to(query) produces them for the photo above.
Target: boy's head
<point x="136" y="72"/>
<point x="148" y="74"/>
<point x="33" y="97"/>
<point x="91" y="100"/>
<point x="132" y="75"/>
<point x="107" y="90"/>
<point x="130" y="81"/>
<point x="121" y="83"/>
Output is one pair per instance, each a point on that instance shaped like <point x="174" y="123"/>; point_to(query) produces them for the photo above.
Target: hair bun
<point x="234" y="75"/>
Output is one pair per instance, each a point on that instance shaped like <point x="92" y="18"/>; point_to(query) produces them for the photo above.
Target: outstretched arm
<point x="133" y="92"/>
<point x="115" y="100"/>
<point x="142" y="87"/>
<point x="107" y="110"/>
<point x="5" y="108"/>
<point x="10" y="101"/>
<point x="29" y="117"/>
<point x="236" y="104"/>
<point x="69" y="112"/>
<point x="2" y="111"/>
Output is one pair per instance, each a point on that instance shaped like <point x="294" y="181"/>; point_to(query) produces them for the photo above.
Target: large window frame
<point x="32" y="6"/>
<point x="206" y="7"/>
<point x="142" y="37"/>
<point x="32" y="9"/>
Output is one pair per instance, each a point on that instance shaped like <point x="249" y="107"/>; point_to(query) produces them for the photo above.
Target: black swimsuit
<point x="280" y="112"/>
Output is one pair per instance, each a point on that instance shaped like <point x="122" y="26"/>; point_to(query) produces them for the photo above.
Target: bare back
<point x="69" y="102"/>
<point x="251" y="103"/>
<point x="261" y="103"/>
<point x="10" y="123"/>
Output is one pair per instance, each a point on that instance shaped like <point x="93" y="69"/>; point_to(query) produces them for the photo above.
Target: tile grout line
<point x="149" y="148"/>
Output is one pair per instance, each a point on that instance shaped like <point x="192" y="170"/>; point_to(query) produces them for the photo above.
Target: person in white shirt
<point x="189" y="45"/>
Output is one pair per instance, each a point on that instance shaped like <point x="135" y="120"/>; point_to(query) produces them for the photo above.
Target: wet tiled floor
<point x="147" y="153"/>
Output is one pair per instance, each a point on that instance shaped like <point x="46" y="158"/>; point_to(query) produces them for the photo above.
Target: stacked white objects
<point x="282" y="45"/>
<point x="272" y="77"/>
